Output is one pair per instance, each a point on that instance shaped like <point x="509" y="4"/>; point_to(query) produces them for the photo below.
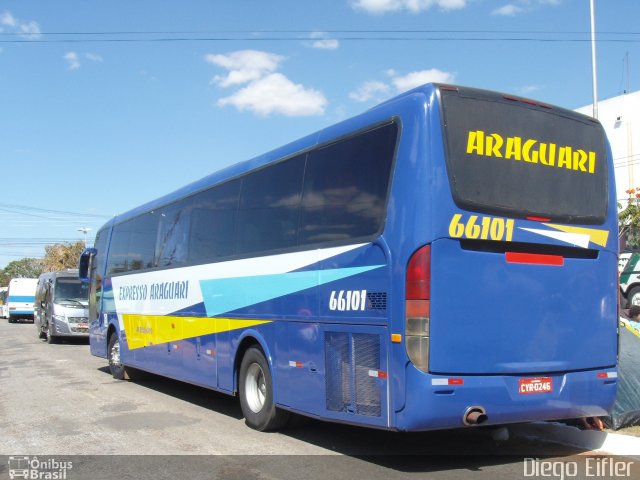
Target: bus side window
<point x="269" y="207"/>
<point x="133" y="244"/>
<point x="173" y="234"/>
<point x="213" y="223"/>
<point x="345" y="187"/>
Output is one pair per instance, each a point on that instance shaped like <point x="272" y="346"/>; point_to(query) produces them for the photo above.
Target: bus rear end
<point x="511" y="308"/>
<point x="22" y="292"/>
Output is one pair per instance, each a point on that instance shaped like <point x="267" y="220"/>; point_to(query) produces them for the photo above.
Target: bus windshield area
<point x="71" y="291"/>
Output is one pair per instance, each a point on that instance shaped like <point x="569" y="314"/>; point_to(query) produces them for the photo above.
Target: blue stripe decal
<point x="21" y="298"/>
<point x="228" y="294"/>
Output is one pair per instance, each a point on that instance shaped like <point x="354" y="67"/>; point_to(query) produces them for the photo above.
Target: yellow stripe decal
<point x="599" y="237"/>
<point x="631" y="329"/>
<point x="146" y="330"/>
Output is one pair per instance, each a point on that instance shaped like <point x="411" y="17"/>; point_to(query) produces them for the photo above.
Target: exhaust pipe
<point x="474" y="416"/>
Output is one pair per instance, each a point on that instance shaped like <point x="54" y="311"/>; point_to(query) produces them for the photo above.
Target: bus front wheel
<point x="113" y="354"/>
<point x="256" y="393"/>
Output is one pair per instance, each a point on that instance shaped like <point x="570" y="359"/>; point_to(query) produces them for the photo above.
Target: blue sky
<point x="106" y="105"/>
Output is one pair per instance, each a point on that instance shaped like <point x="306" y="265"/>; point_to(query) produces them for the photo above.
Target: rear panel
<point x="523" y="266"/>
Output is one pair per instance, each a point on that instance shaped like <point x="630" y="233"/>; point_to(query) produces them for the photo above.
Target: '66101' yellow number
<point x="482" y="228"/>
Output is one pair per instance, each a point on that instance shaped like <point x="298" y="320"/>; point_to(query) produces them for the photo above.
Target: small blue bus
<point x="445" y="259"/>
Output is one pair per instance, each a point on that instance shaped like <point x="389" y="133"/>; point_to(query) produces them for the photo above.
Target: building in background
<point x="620" y="117"/>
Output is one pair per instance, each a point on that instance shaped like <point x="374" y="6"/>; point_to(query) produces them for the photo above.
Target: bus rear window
<point x="508" y="157"/>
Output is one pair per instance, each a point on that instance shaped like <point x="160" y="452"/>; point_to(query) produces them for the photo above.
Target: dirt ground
<point x="635" y="431"/>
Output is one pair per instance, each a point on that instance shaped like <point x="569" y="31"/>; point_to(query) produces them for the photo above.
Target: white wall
<point x="620" y="117"/>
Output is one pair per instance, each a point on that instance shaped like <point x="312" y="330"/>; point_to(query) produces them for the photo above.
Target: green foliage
<point x="58" y="256"/>
<point x="23" y="268"/>
<point x="629" y="220"/>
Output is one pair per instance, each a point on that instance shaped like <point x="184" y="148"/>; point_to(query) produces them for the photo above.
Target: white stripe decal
<point x="248" y="267"/>
<point x="577" y="239"/>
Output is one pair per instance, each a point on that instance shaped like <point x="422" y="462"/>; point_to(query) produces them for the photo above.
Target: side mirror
<point x="84" y="266"/>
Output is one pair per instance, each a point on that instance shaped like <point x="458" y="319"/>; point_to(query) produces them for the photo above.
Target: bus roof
<point x="329" y="133"/>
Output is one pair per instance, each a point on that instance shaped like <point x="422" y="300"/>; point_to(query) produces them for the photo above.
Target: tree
<point x="61" y="255"/>
<point x="629" y="219"/>
<point x="4" y="278"/>
<point x="23" y="268"/>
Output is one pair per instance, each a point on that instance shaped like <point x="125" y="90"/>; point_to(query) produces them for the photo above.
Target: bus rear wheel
<point x="256" y="393"/>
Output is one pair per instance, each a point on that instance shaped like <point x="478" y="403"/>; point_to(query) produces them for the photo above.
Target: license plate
<point x="535" y="385"/>
<point x="84" y="326"/>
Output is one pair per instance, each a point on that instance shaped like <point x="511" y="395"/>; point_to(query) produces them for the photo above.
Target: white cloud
<point x="413" y="6"/>
<point x="322" y="42"/>
<point x="327" y="44"/>
<point x="276" y="94"/>
<point x="94" y="57"/>
<point x="379" y="91"/>
<point x="508" y="10"/>
<point x="266" y="91"/>
<point x="26" y="29"/>
<point x="7" y="19"/>
<point x="415" y="79"/>
<point x="73" y="61"/>
<point x="529" y="89"/>
<point x="244" y="66"/>
<point x="370" y="90"/>
<point x="523" y="6"/>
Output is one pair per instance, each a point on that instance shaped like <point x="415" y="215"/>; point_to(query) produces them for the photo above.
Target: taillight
<point x="417" y="307"/>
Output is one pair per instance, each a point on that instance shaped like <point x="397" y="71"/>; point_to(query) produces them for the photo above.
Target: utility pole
<point x="593" y="62"/>
<point x="84" y="230"/>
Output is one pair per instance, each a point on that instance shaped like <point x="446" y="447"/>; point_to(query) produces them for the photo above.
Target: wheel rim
<point x="114" y="357"/>
<point x="635" y="300"/>
<point x="255" y="388"/>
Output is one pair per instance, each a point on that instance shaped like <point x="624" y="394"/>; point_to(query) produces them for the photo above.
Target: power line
<point x="4" y="206"/>
<point x="309" y="35"/>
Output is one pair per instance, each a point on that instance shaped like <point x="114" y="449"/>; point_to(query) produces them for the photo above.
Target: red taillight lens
<point x="417" y="307"/>
<point x="419" y="275"/>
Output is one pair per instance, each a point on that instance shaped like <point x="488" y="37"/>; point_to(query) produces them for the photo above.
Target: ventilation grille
<point x="377" y="301"/>
<point x="348" y="360"/>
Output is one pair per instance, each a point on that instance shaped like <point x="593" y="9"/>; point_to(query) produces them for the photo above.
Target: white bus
<point x="3" y="302"/>
<point x="22" y="293"/>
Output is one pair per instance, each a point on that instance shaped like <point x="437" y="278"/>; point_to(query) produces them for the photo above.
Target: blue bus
<point x="445" y="259"/>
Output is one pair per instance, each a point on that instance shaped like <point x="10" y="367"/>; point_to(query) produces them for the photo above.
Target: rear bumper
<point x="435" y="404"/>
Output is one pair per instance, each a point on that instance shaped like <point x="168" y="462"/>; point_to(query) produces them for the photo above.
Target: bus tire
<point x="633" y="298"/>
<point x="256" y="393"/>
<point x="113" y="355"/>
